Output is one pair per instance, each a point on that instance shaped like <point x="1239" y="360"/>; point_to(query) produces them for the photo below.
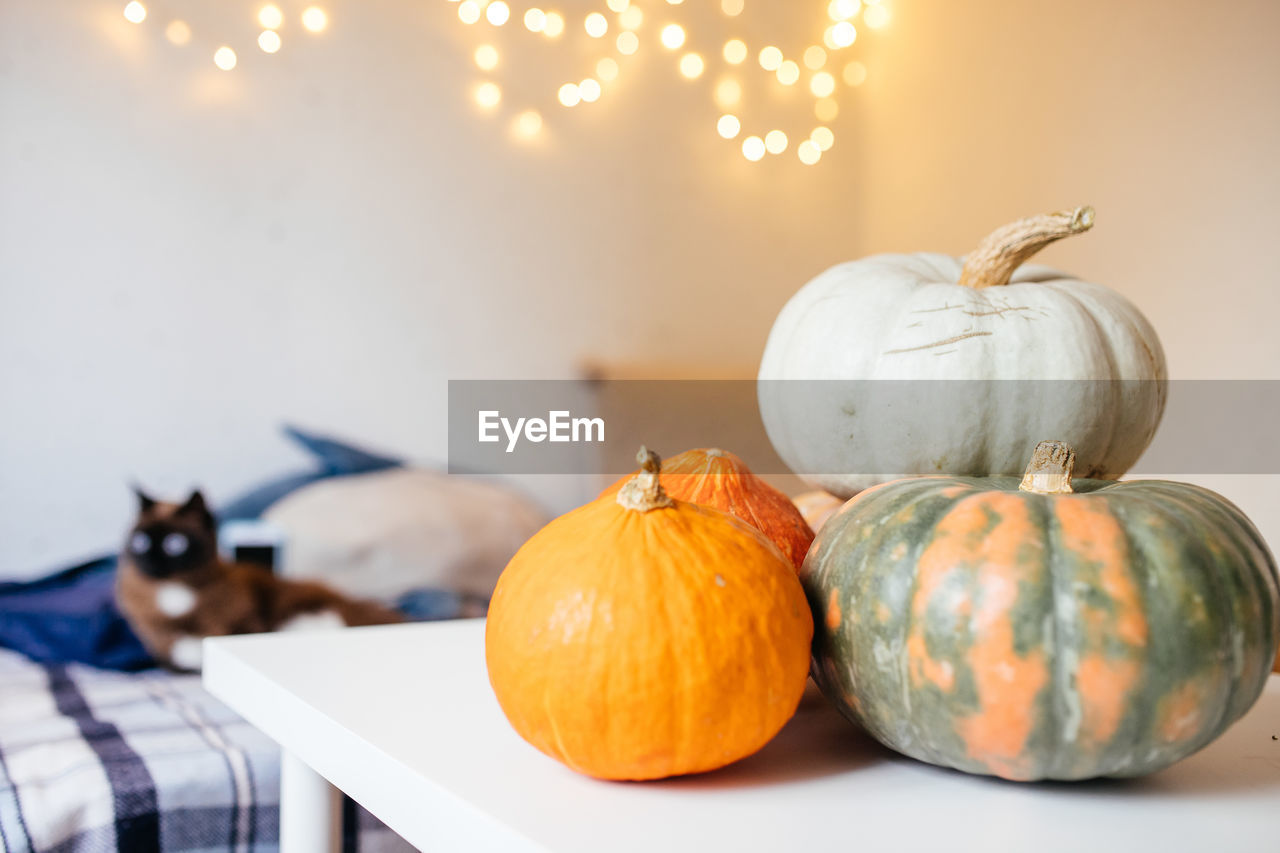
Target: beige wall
<point x="189" y="257"/>
<point x="1163" y="115"/>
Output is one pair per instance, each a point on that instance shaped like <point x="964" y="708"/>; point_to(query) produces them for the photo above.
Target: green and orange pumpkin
<point x="1048" y="630"/>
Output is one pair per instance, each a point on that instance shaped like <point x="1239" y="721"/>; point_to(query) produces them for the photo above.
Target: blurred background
<point x="206" y="232"/>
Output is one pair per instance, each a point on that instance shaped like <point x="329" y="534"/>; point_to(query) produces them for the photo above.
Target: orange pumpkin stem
<point x="644" y="491"/>
<point x="1049" y="472"/>
<point x="996" y="259"/>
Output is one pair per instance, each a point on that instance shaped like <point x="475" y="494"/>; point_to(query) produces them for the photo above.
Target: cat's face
<point x="170" y="539"/>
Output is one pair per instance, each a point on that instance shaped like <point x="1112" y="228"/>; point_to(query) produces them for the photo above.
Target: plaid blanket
<point x="92" y="760"/>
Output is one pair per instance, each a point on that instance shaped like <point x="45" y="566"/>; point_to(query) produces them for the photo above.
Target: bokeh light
<point x="486" y="57"/>
<point x="691" y="66"/>
<point x="728" y="93"/>
<point x="814" y="57"/>
<point x="842" y="10"/>
<point x="269" y="41"/>
<point x="753" y="148"/>
<point x="468" y="11"/>
<point x="843" y="34"/>
<point x="314" y="19"/>
<point x="770" y="58"/>
<point x="822" y="138"/>
<point x="535" y="20"/>
<point x="225" y="58"/>
<point x="735" y="51"/>
<point x="596" y="25"/>
<point x="497" y="13"/>
<point x="728" y="126"/>
<point x="488" y="95"/>
<point x="876" y="17"/>
<point x="178" y="32"/>
<point x="135" y="12"/>
<point x="527" y="125"/>
<point x="732" y="8"/>
<point x="554" y="25"/>
<point x="826" y="109"/>
<point x="607" y="69"/>
<point x="822" y="84"/>
<point x="808" y="153"/>
<point x="788" y="72"/>
<point x="855" y="73"/>
<point x="775" y="142"/>
<point x="672" y="36"/>
<point x="628" y="43"/>
<point x="270" y="17"/>
<point x="589" y="90"/>
<point x="569" y="94"/>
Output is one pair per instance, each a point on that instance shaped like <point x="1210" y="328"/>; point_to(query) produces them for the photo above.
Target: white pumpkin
<point x="934" y="317"/>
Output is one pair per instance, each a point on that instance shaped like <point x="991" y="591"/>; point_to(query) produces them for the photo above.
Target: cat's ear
<point x="145" y="502"/>
<point x="195" y="505"/>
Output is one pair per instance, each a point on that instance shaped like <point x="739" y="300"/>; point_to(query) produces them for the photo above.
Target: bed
<point x="95" y="760"/>
<point x="100" y="750"/>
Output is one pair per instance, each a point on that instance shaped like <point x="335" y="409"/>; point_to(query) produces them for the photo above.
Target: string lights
<point x="617" y="29"/>
<point x="270" y="17"/>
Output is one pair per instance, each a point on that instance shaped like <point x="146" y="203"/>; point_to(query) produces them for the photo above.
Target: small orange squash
<point x="639" y="637"/>
<point x="721" y="480"/>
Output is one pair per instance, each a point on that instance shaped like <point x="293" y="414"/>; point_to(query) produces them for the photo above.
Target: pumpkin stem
<point x="644" y="491"/>
<point x="996" y="259"/>
<point x="1049" y="472"/>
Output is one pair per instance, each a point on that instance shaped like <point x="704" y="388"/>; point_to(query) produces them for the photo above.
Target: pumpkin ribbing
<point x="1111" y="631"/>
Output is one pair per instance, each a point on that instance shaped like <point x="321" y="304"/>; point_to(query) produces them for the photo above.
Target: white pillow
<point x="379" y="535"/>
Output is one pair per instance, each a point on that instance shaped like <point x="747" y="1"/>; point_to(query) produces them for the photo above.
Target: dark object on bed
<point x="175" y="589"/>
<point x="71" y="615"/>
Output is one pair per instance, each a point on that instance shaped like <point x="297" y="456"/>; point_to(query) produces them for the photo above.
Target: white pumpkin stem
<point x="996" y="259"/>
<point x="644" y="491"/>
<point x="1049" y="472"/>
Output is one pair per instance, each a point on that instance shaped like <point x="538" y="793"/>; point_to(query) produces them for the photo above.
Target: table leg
<point x="310" y="809"/>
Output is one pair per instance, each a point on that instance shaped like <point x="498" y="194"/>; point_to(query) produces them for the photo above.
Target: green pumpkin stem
<point x="644" y="491"/>
<point x="997" y="257"/>
<point x="1049" y="472"/>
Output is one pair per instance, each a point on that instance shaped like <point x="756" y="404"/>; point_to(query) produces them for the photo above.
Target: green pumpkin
<point x="1053" y="630"/>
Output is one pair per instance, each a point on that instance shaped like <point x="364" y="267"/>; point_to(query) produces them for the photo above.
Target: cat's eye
<point x="174" y="544"/>
<point x="139" y="543"/>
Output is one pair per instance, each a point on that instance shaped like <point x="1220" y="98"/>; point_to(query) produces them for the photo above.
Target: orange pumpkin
<point x="639" y="637"/>
<point x="719" y="479"/>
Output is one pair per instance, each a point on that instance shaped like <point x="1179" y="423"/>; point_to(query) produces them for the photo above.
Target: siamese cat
<point x="174" y="590"/>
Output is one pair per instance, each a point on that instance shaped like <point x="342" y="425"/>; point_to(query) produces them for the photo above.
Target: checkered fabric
<point x="92" y="760"/>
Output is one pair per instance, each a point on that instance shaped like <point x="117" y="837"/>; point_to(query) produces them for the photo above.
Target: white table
<point x="402" y="719"/>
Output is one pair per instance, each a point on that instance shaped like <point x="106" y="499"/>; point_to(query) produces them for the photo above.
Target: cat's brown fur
<point x="214" y="597"/>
